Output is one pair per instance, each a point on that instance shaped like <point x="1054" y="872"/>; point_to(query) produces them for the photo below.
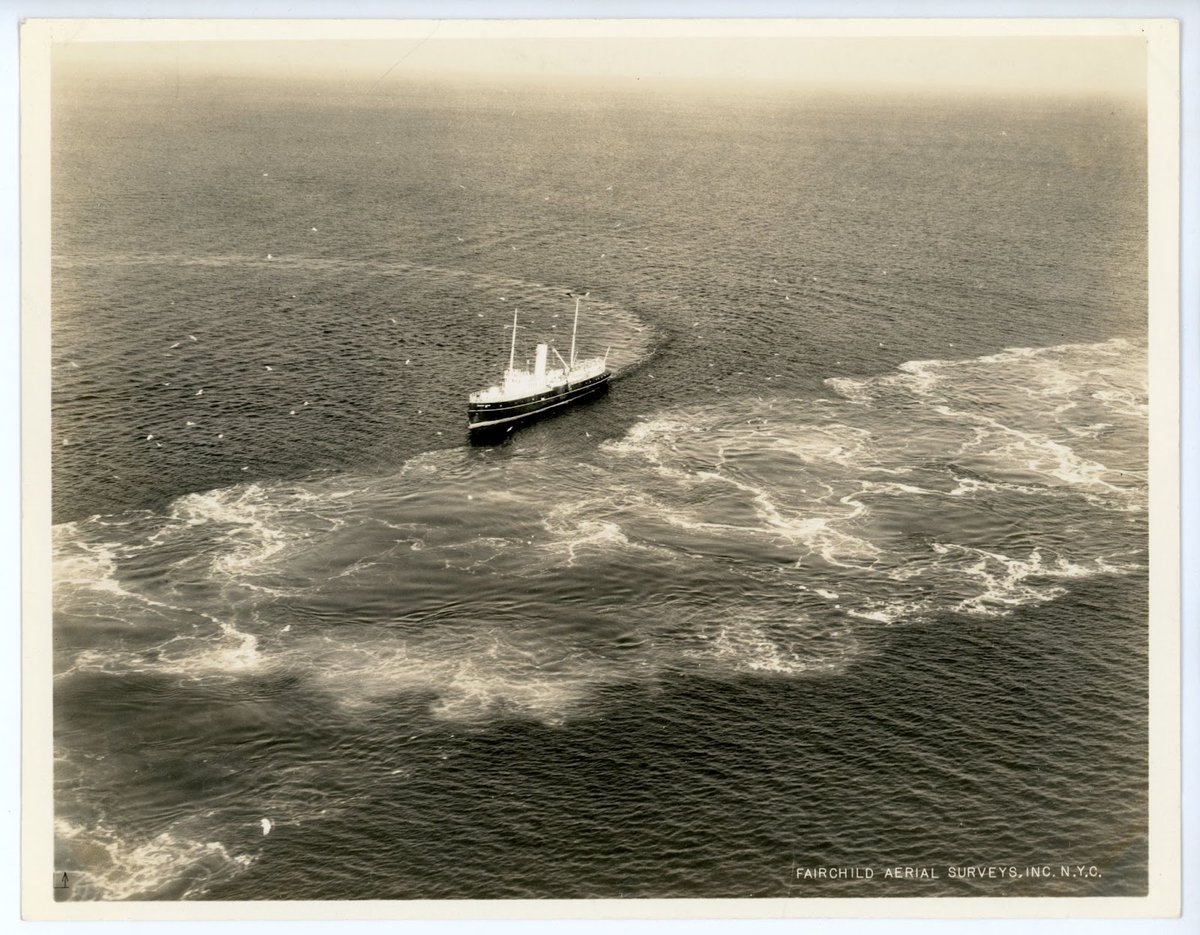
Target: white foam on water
<point x="226" y="653"/>
<point x="78" y="564"/>
<point x="832" y="443"/>
<point x="592" y="525"/>
<point x="470" y="673"/>
<point x="599" y="535"/>
<point x="1012" y="454"/>
<point x="791" y="486"/>
<point x="1125" y="401"/>
<point x="104" y="864"/>
<point x="479" y="691"/>
<point x="856" y="391"/>
<point x="815" y="531"/>
<point x="895" y="488"/>
<point x="969" y="486"/>
<point x="1088" y="431"/>
<point x="814" y="535"/>
<point x="1032" y="451"/>
<point x="651" y="439"/>
<point x="429" y="463"/>
<point x="81" y="565"/>
<point x="1112" y="349"/>
<point x="889" y="612"/>
<point x="785" y="472"/>
<point x="1044" y="374"/>
<point x="253" y="517"/>
<point x="716" y="447"/>
<point x="920" y="376"/>
<point x="242" y="657"/>
<point x="916" y="377"/>
<point x="770" y="641"/>
<point x="1006" y="582"/>
<point x="202" y="644"/>
<point x="752" y="650"/>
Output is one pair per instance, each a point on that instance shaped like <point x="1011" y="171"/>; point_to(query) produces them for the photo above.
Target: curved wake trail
<point x="763" y="538"/>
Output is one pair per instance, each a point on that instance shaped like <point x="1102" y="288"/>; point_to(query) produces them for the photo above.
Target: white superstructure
<point x="521" y="384"/>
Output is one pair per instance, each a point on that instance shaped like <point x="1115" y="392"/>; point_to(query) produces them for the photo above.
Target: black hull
<point x="487" y="420"/>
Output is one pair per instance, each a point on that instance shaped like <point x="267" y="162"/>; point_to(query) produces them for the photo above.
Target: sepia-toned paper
<point x="918" y="54"/>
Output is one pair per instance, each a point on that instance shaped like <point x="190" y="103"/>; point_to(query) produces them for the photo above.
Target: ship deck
<point x="523" y="384"/>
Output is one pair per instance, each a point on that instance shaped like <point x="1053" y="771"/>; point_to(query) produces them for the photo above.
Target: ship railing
<point x="519" y="383"/>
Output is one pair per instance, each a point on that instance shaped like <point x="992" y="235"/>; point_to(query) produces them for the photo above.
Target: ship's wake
<point x="763" y="538"/>
<point x="821" y="515"/>
<point x="490" y="298"/>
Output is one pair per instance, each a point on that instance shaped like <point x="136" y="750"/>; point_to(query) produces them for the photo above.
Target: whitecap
<point x="104" y="864"/>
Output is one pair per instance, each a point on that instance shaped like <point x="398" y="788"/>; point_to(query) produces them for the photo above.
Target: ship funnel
<point x="539" y="367"/>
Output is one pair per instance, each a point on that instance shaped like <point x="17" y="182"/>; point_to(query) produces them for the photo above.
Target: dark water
<point x="849" y="568"/>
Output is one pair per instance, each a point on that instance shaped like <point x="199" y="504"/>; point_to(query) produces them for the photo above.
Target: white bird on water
<point x="148" y="437"/>
<point x="189" y="423"/>
<point x="269" y="367"/>
<point x="199" y="392"/>
<point x="191" y="337"/>
<point x="175" y="345"/>
<point x="394" y="322"/>
<point x="267" y="825"/>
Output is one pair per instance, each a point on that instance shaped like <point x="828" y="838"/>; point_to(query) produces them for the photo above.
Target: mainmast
<point x="512" y="351"/>
<point x="575" y="326"/>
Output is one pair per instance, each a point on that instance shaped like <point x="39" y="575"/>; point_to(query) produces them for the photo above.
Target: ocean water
<point x="849" y="568"/>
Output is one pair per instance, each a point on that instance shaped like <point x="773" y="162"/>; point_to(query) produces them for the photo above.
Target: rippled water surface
<point x="848" y="569"/>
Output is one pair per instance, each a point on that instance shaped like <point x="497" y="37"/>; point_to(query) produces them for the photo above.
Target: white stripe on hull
<point x="534" y="412"/>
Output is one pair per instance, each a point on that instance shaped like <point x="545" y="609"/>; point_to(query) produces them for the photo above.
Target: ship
<point x="525" y="395"/>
